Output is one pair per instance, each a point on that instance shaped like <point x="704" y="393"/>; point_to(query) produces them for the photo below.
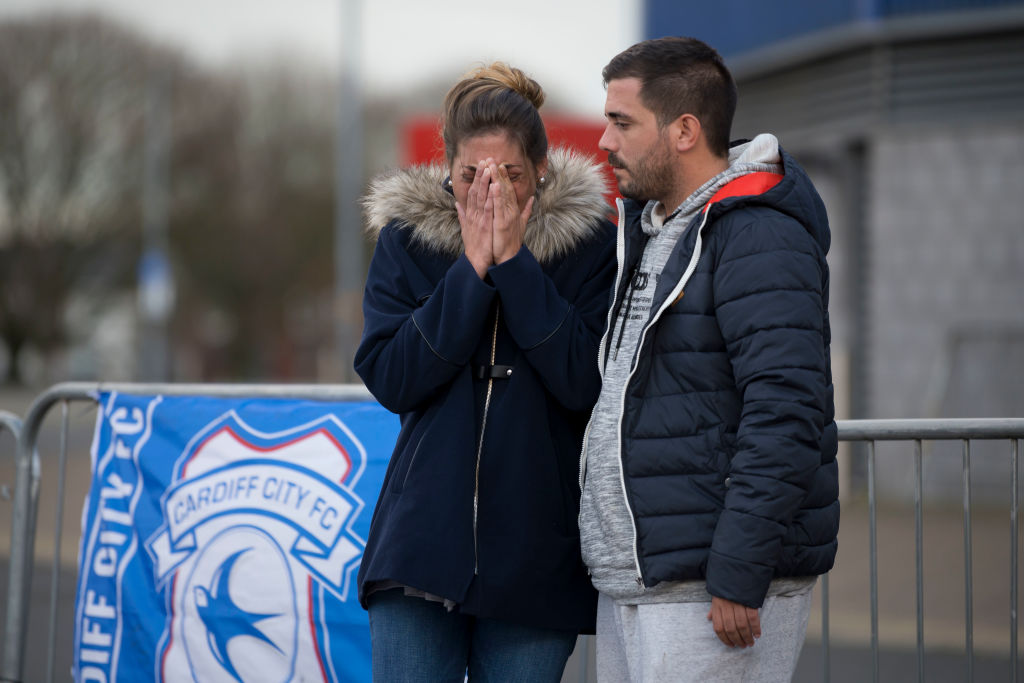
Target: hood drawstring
<point x="637" y="281"/>
<point x="625" y="315"/>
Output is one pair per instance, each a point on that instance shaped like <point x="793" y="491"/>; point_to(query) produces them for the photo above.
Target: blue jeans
<point x="415" y="640"/>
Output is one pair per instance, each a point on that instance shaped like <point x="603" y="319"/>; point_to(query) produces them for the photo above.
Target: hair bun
<point x="513" y="79"/>
<point x="496" y="97"/>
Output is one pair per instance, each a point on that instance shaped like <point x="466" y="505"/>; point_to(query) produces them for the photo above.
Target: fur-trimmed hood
<point x="569" y="207"/>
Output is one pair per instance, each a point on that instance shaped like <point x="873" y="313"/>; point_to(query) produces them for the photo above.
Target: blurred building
<point x="909" y="116"/>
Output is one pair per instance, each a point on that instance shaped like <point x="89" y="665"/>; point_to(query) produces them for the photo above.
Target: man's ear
<point x="684" y="132"/>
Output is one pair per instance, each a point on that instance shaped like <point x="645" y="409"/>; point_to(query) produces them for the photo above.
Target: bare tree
<point x="250" y="195"/>
<point x="71" y="109"/>
<point x="255" y="235"/>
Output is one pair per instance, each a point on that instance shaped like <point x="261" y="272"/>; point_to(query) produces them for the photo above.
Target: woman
<point x="485" y="301"/>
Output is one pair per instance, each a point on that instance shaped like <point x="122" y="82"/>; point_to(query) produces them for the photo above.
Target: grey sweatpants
<point x="675" y="643"/>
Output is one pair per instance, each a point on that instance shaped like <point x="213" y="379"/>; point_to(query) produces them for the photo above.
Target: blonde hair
<point x="495" y="98"/>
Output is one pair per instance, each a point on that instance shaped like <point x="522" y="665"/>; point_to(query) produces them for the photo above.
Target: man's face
<point x="638" y="150"/>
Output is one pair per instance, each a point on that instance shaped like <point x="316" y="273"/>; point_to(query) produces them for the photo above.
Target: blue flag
<point x="221" y="539"/>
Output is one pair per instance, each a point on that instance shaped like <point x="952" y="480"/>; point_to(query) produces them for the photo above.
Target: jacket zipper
<point x="480" y="446"/>
<point x="620" y="257"/>
<point x="669" y="300"/>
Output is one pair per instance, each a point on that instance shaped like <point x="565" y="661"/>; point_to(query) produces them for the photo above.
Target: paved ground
<point x="849" y="616"/>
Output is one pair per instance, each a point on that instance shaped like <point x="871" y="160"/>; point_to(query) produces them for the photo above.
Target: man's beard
<point x="651" y="177"/>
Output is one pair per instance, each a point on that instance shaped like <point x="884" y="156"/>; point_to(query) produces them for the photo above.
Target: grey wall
<point x="946" y="220"/>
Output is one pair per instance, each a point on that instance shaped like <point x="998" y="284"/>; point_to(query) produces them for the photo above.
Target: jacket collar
<point x="569" y="208"/>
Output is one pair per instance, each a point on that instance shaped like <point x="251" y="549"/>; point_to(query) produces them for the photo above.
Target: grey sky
<point x="562" y="43"/>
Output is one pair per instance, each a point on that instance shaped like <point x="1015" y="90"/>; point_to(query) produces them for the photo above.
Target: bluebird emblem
<point x="224" y="619"/>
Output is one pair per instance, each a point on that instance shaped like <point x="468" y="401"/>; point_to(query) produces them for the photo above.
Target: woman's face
<point x="503" y="150"/>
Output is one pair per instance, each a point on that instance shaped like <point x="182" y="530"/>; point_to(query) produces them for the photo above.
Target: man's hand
<point x="735" y="625"/>
<point x="477" y="221"/>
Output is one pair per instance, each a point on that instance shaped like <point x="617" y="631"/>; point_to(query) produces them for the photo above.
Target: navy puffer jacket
<point x="728" y="431"/>
<point x="491" y="525"/>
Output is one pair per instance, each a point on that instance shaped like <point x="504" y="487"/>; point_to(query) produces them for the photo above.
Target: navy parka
<point x="728" y="438"/>
<point x="491" y="524"/>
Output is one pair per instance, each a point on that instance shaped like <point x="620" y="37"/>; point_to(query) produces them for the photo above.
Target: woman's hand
<point x="509" y="221"/>
<point x="477" y="221"/>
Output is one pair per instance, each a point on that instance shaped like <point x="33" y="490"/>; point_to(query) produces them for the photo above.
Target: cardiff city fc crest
<point x="256" y="539"/>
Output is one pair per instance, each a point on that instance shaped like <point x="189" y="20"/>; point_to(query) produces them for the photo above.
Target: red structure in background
<point x="421" y="142"/>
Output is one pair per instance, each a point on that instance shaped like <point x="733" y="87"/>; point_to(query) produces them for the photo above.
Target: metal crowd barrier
<point x="9" y="422"/>
<point x="26" y="498"/>
<point x="966" y="431"/>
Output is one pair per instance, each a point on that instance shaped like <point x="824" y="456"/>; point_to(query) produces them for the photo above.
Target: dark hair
<point x="681" y="76"/>
<point x="491" y="99"/>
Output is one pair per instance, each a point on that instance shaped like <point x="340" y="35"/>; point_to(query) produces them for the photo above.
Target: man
<point x="710" y="495"/>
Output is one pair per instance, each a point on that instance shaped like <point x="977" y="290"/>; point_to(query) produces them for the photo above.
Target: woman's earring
<point x="446" y="184"/>
<point x="541" y="181"/>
